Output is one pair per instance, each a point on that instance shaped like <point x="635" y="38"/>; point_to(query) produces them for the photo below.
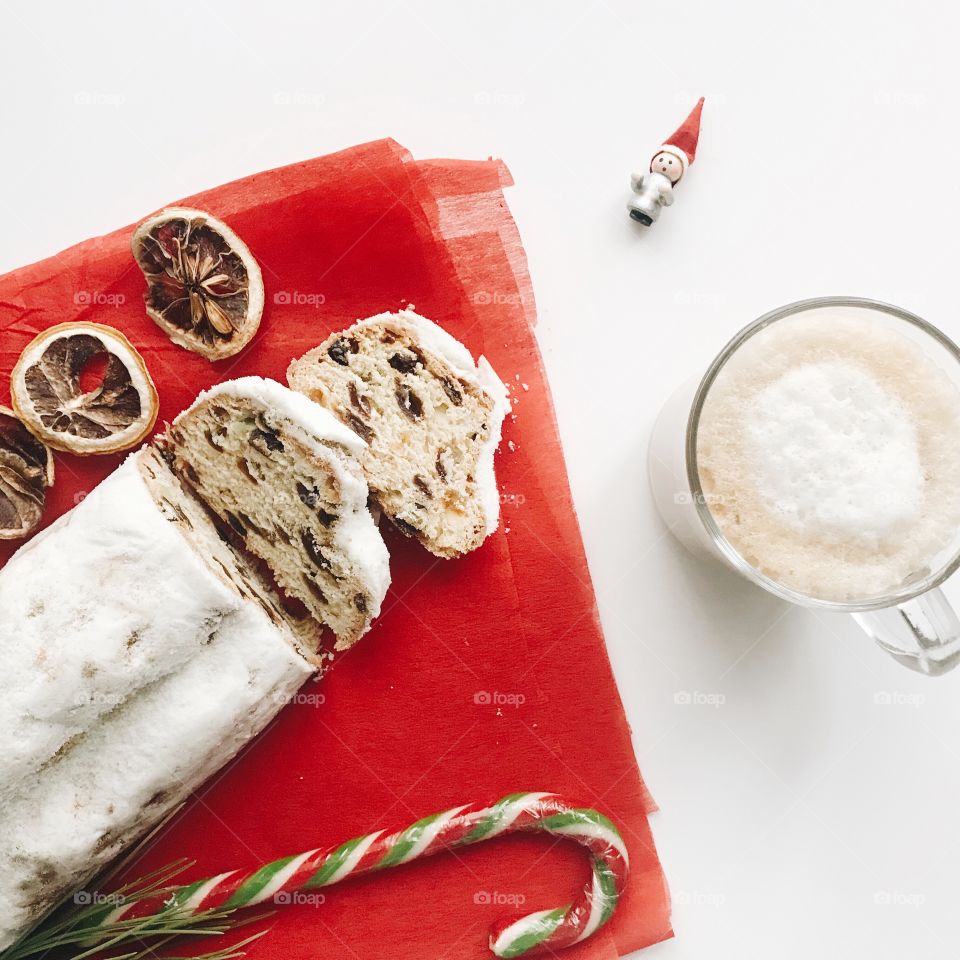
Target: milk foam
<point x="833" y="451"/>
<point x="829" y="452"/>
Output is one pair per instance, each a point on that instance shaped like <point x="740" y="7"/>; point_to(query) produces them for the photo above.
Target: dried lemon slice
<point x="26" y="471"/>
<point x="205" y="290"/>
<point x="49" y="398"/>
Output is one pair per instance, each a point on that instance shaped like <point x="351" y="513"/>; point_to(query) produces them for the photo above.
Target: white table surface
<point x="801" y="818"/>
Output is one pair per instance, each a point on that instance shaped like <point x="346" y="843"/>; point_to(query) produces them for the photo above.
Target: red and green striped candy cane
<point x="449" y="830"/>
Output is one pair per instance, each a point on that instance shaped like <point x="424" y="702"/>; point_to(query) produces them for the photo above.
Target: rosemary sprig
<point x="67" y="933"/>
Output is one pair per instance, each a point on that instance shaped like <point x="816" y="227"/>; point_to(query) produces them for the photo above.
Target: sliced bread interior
<point x="431" y="418"/>
<point x="223" y="553"/>
<point x="282" y="476"/>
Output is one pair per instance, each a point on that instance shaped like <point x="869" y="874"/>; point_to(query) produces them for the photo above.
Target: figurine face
<point x="667" y="164"/>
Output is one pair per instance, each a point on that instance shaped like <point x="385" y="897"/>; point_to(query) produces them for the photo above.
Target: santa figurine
<point x="654" y="189"/>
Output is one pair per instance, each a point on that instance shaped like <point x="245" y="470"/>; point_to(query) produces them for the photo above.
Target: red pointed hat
<point x="683" y="142"/>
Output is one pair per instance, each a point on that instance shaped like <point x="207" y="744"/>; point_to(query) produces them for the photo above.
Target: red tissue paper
<point x="483" y="676"/>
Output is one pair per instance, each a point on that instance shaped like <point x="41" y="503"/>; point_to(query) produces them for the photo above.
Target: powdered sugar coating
<point x="131" y="673"/>
<point x="486" y="475"/>
<point x="316" y="422"/>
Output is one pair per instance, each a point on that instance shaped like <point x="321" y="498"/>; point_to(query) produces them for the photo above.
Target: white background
<point x="801" y="818"/>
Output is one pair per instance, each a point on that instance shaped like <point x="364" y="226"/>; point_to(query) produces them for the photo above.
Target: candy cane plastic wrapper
<point x="449" y="830"/>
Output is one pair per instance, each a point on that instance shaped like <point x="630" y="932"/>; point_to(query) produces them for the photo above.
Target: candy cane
<point x="449" y="830"/>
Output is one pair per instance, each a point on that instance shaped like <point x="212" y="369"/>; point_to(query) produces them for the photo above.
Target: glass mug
<point x="915" y="623"/>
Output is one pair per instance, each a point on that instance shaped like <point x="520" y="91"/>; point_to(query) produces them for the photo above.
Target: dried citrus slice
<point x="49" y="398"/>
<point x="26" y="471"/>
<point x="205" y="290"/>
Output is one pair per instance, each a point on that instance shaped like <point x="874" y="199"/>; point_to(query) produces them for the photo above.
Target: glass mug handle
<point x="922" y="634"/>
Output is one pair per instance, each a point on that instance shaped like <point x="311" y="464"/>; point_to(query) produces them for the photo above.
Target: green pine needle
<point x="68" y="930"/>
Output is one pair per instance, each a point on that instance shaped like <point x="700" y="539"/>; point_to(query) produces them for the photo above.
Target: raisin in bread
<point x="140" y="653"/>
<point x="282" y="474"/>
<point x="431" y="417"/>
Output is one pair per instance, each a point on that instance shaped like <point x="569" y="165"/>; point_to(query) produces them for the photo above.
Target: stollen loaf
<point x="141" y="648"/>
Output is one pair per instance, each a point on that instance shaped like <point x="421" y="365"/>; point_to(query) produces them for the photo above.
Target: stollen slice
<point x="431" y="418"/>
<point x="282" y="476"/>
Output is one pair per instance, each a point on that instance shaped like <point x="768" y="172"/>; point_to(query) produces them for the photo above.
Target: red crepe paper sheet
<point x="485" y="675"/>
